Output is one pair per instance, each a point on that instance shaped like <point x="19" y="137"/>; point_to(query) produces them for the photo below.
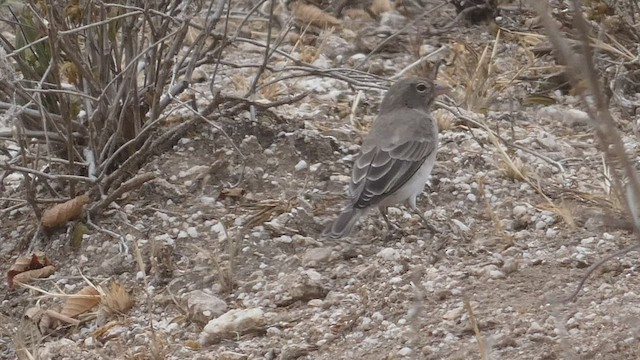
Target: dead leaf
<point x="233" y="193"/>
<point x="87" y="298"/>
<point x="39" y="318"/>
<point x="61" y="213"/>
<point x="27" y="276"/>
<point x="35" y="261"/>
<point x="118" y="299"/>
<point x="309" y="14"/>
<point x="379" y="7"/>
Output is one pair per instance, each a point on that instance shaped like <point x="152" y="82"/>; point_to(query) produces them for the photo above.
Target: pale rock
<point x="231" y="355"/>
<point x="389" y="254"/>
<point x="453" y="314"/>
<point x="232" y="324"/>
<point x="316" y="256"/>
<point x="204" y="307"/>
<point x="405" y="351"/>
<point x="301" y="165"/>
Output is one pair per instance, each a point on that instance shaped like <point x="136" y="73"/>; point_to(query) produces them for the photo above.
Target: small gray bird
<point x="396" y="157"/>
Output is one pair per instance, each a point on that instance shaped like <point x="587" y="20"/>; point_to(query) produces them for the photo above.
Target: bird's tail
<point x="343" y="225"/>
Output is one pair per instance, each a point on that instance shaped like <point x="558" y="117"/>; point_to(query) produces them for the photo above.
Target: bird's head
<point x="414" y="93"/>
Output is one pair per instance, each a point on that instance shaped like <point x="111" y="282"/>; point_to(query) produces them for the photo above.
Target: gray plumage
<point x="396" y="156"/>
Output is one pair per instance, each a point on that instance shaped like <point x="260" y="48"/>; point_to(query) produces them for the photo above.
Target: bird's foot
<point x="395" y="233"/>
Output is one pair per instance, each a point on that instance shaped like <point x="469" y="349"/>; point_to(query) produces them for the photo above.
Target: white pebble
<point x="313" y="168"/>
<point x="389" y="254"/>
<point x="301" y="165"/>
<point x="519" y="210"/>
<point x="192" y="232"/>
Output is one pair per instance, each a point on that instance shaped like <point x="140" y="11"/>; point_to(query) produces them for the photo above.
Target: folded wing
<point x="380" y="171"/>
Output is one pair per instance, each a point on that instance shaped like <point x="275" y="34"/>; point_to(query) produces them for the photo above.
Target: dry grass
<point x="512" y="167"/>
<point x="566" y="211"/>
<point x="581" y="70"/>
<point x="445" y="120"/>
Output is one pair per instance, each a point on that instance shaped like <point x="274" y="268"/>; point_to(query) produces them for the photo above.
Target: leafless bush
<point x="95" y="79"/>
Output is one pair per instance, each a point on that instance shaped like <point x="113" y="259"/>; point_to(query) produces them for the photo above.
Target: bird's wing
<point x="381" y="170"/>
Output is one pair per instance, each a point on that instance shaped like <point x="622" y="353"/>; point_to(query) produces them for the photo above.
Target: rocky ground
<point x="222" y="256"/>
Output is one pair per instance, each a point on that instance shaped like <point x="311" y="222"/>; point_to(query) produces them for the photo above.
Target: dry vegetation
<point x="151" y="150"/>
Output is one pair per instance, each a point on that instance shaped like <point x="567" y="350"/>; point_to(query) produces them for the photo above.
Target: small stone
<point x="365" y="323"/>
<point x="292" y="352"/>
<point x="496" y="274"/>
<point x="510" y="266"/>
<point x="285" y="239"/>
<point x="193" y="233"/>
<point x="541" y="225"/>
<point x="203" y="306"/>
<point x="463" y="227"/>
<point x="220" y="230"/>
<point x="231" y="355"/>
<point x="208" y="200"/>
<point x="405" y="351"/>
<point x="471" y="197"/>
<point x="198" y="76"/>
<point x="587" y="241"/>
<point x="389" y="254"/>
<point x="301" y="165"/>
<point x="535" y="328"/>
<point x="232" y="324"/>
<point x="89" y="342"/>
<point x="519" y="210"/>
<point x="301" y="286"/>
<point x="316" y="256"/>
<point x="453" y="314"/>
<point x="314" y="168"/>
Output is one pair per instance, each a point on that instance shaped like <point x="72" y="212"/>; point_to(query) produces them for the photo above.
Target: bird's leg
<point x="383" y="212"/>
<point x="411" y="202"/>
<point x="392" y="229"/>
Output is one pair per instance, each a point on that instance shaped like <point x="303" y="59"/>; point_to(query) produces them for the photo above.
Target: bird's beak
<point x="441" y="88"/>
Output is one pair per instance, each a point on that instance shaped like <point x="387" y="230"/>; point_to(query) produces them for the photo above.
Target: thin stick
<point x="476" y="329"/>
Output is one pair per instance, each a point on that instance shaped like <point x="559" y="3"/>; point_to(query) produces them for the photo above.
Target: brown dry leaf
<point x="381" y="6"/>
<point x="69" y="72"/>
<point x="309" y="14"/>
<point x="35" y="261"/>
<point x="39" y="318"/>
<point x="233" y="193"/>
<point x="61" y="213"/>
<point x="118" y="299"/>
<point x="357" y="14"/>
<point x="109" y="331"/>
<point x="193" y="344"/>
<point x="87" y="299"/>
<point x="27" y="276"/>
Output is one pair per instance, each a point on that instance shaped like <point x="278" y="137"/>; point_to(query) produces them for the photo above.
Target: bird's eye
<point x="422" y="87"/>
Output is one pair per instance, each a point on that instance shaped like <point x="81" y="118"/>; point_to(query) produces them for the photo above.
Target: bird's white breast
<point x="415" y="185"/>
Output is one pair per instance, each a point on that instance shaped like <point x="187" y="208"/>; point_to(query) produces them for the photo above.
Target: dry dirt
<point x="219" y="232"/>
